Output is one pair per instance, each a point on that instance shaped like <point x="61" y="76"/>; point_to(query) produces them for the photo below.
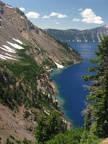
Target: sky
<point x="64" y="14"/>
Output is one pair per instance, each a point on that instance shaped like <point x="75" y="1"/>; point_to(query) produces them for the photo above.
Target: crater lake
<point x="70" y="85"/>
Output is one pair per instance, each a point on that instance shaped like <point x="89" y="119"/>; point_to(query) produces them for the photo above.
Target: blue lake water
<point x="70" y="85"/>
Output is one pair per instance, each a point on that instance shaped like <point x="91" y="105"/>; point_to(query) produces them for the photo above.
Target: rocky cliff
<point x="74" y="35"/>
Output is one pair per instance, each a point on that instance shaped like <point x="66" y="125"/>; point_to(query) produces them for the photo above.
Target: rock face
<point x="74" y="35"/>
<point x="14" y="25"/>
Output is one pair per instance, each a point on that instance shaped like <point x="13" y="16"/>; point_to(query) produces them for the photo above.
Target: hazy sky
<point x="64" y="14"/>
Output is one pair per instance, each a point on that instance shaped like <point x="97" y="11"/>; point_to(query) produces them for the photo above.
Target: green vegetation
<point x="74" y="136"/>
<point x="15" y="92"/>
<point x="49" y="63"/>
<point x="10" y="140"/>
<point x="65" y="45"/>
<point x="89" y="138"/>
<point x="25" y="141"/>
<point x="18" y="86"/>
<point x="26" y="68"/>
<point x="9" y="92"/>
<point x="67" y="49"/>
<point x="96" y="120"/>
<point x="69" y="137"/>
<point x="18" y="83"/>
<point x="19" y="12"/>
<point x="49" y="126"/>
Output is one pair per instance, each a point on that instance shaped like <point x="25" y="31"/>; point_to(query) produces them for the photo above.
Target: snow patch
<point x="8" y="49"/>
<point x="10" y="55"/>
<point x="22" y="17"/>
<point x="2" y="57"/>
<point x="15" y="45"/>
<point x="6" y="57"/>
<point x="17" y="40"/>
<point x="46" y="112"/>
<point x="9" y="6"/>
<point x="59" y="66"/>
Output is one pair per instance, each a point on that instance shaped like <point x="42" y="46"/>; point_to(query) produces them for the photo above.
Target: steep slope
<point x="25" y="95"/>
<point x="27" y="55"/>
<point x="14" y="24"/>
<point x="74" y="35"/>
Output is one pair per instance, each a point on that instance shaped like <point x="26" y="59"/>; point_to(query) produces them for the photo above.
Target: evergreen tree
<point x="69" y="137"/>
<point x="98" y="97"/>
<point x="49" y="126"/>
<point x="41" y="131"/>
<point x="88" y="118"/>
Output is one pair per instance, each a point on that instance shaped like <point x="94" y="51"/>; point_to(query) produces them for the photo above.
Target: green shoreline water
<point x="60" y="99"/>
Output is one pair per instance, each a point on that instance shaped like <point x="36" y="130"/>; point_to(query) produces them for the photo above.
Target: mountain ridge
<point x="15" y="24"/>
<point x="75" y="35"/>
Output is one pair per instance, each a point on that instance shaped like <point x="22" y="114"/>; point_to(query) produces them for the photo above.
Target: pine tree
<point x="49" y="126"/>
<point x="98" y="97"/>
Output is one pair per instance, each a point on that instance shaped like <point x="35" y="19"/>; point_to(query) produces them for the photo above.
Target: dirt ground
<point x="14" y="124"/>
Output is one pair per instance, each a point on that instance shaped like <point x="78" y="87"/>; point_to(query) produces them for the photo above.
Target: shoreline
<point x="60" y="100"/>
